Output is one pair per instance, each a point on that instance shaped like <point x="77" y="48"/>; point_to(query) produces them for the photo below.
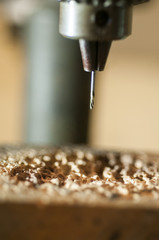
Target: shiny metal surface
<point x="95" y="23"/>
<point x="92" y="90"/>
<point x="94" y="54"/>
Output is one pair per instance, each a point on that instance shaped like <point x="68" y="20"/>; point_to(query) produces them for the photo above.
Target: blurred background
<point x="34" y="93"/>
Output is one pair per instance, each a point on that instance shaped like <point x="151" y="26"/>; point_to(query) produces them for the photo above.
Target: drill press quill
<point x="96" y="23"/>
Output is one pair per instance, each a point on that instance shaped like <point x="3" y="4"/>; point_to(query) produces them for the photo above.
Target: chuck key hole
<point x="102" y="18"/>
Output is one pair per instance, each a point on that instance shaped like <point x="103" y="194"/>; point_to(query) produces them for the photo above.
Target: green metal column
<point x="57" y="96"/>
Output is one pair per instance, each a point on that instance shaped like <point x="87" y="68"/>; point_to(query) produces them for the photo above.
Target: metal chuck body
<point x="96" y="23"/>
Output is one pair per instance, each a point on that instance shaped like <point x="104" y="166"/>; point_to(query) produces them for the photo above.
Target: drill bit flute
<point x="96" y="23"/>
<point x="92" y="90"/>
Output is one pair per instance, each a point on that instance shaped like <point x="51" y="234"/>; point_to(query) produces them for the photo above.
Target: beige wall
<point x="126" y="113"/>
<point x="11" y="86"/>
<point x="127" y="97"/>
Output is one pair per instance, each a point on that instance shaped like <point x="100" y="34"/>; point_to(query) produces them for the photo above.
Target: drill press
<point x="96" y="23"/>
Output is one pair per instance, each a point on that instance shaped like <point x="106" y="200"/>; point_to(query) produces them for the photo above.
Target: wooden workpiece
<point x="78" y="193"/>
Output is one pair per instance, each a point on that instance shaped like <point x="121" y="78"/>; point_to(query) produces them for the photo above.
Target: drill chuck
<point x="96" y="23"/>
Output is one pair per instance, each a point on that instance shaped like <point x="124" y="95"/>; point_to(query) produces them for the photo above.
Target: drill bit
<point x="92" y="90"/>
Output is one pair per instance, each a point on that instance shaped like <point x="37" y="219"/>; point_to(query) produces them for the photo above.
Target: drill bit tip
<point x="92" y="90"/>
